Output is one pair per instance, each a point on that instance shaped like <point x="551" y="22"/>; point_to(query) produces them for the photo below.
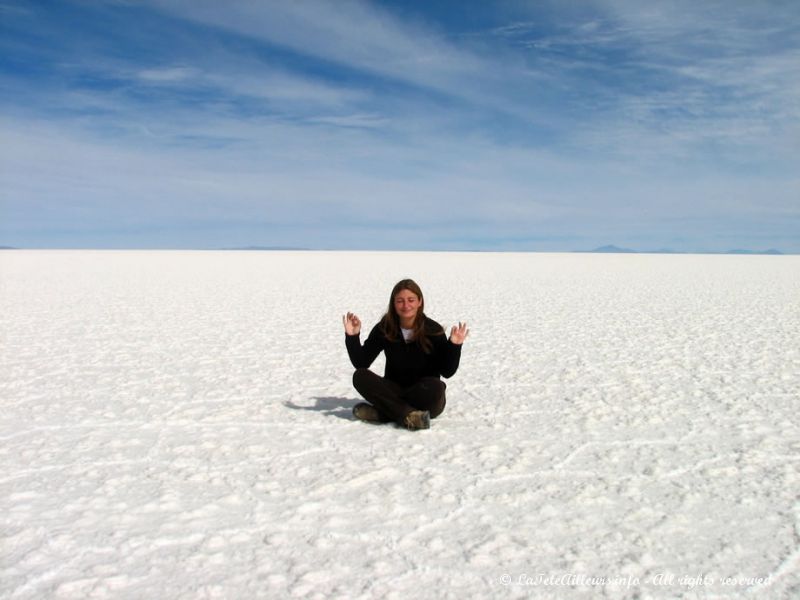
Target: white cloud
<point x="355" y="35"/>
<point x="714" y="83"/>
<point x="348" y="32"/>
<point x="166" y="75"/>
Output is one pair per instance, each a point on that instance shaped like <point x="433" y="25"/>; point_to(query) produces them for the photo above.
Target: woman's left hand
<point x="459" y="334"/>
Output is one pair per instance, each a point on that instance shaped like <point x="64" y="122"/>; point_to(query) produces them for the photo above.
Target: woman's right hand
<point x="352" y="324"/>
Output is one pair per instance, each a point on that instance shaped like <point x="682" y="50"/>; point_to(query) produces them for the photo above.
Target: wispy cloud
<point x="363" y="41"/>
<point x="681" y="74"/>
<point x="352" y="34"/>
<point x="168" y="74"/>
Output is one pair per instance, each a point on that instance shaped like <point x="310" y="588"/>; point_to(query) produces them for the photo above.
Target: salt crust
<point x="177" y="425"/>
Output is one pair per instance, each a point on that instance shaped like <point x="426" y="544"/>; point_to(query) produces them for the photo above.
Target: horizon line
<point x="598" y="250"/>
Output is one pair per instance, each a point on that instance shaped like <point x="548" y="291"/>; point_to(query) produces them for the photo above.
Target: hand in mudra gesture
<point x="352" y="324"/>
<point x="459" y="333"/>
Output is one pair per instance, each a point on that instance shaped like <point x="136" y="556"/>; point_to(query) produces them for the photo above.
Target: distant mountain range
<point x="618" y="250"/>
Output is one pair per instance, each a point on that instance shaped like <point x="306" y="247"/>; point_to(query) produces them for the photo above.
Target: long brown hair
<point x="390" y="323"/>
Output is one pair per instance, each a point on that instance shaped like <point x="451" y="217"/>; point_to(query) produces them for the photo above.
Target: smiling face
<point x="406" y="305"/>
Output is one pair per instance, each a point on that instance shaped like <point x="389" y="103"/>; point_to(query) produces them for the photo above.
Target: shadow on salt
<point x="330" y="406"/>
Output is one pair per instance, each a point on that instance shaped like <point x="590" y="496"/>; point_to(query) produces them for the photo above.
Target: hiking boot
<point x="417" y="419"/>
<point x="367" y="412"/>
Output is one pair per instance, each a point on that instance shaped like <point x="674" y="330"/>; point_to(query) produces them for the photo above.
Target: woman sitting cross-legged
<point x="418" y="353"/>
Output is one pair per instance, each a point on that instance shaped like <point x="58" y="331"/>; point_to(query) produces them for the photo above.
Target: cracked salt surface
<point x="177" y="425"/>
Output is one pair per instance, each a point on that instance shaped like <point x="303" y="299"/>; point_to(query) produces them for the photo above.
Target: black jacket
<point x="406" y="362"/>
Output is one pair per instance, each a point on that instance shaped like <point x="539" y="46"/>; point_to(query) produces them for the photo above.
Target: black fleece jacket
<point x="406" y="362"/>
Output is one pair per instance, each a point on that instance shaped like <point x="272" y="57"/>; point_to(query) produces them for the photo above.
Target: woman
<point x="417" y="354"/>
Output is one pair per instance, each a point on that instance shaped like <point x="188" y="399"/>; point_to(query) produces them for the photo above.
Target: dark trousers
<point x="393" y="401"/>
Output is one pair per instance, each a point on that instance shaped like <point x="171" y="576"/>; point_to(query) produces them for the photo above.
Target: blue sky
<point x="504" y="125"/>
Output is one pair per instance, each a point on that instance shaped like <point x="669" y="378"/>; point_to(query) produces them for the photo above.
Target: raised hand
<point x="459" y="334"/>
<point x="352" y="324"/>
